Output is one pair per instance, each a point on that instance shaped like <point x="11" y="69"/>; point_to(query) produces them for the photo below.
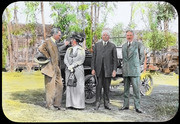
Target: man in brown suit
<point x="53" y="79"/>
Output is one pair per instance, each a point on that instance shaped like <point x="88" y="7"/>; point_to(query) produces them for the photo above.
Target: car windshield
<point x="119" y="52"/>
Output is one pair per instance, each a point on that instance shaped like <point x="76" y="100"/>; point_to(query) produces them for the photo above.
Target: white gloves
<point x="70" y="68"/>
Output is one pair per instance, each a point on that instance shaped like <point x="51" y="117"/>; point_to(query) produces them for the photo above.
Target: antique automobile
<point x="90" y="80"/>
<point x="146" y="85"/>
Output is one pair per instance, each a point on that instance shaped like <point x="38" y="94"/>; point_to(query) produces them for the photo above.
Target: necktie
<point x="105" y="43"/>
<point x="129" y="45"/>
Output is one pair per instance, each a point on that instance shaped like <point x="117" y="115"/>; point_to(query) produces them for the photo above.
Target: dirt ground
<point x="24" y="101"/>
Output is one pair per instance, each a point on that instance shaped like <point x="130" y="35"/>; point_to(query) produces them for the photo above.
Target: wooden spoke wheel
<point x="146" y="84"/>
<point x="90" y="89"/>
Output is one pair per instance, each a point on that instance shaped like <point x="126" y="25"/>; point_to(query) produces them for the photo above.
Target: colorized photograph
<point x="81" y="61"/>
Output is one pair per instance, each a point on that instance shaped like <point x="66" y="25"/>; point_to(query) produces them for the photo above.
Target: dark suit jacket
<point x="133" y="58"/>
<point x="109" y="54"/>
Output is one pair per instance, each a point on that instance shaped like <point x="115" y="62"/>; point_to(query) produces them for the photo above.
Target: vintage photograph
<point x="81" y="61"/>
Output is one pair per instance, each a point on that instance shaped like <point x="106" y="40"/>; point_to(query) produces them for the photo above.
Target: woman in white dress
<point x="74" y="59"/>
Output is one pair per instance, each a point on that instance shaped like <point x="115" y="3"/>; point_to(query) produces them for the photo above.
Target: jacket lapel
<point x="125" y="55"/>
<point x="131" y="49"/>
<point x="101" y="46"/>
<point x="106" y="44"/>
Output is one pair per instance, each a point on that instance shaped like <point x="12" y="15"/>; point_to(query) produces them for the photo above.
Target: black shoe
<point x="107" y="107"/>
<point x="124" y="108"/>
<point x="139" y="111"/>
<point x="59" y="108"/>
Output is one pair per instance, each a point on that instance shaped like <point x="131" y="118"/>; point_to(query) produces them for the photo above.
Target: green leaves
<point x="166" y="11"/>
<point x="30" y="10"/>
<point x="158" y="40"/>
<point x="83" y="7"/>
<point x="65" y="18"/>
<point x="117" y="31"/>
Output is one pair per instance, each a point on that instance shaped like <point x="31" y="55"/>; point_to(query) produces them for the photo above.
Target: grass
<point x="23" y="100"/>
<point x="161" y="79"/>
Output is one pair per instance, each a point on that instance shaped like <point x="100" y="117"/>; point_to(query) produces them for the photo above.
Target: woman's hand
<point x="70" y="68"/>
<point x="93" y="72"/>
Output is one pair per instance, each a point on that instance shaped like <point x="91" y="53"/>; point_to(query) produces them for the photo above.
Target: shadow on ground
<point x="36" y="97"/>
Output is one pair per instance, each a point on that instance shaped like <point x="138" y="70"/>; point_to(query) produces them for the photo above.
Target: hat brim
<point x="41" y="62"/>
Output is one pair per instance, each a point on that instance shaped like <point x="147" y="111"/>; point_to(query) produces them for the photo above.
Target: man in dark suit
<point x="133" y="58"/>
<point x="104" y="65"/>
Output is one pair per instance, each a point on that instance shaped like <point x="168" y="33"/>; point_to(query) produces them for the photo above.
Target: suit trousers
<point x="53" y="90"/>
<point x="135" y="81"/>
<point x="105" y="83"/>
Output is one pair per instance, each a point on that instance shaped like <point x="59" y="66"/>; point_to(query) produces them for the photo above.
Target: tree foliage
<point x="64" y="18"/>
<point x="5" y="42"/>
<point x="153" y="37"/>
<point x="31" y="8"/>
<point x="117" y="33"/>
<point x="88" y="32"/>
<point x="165" y="11"/>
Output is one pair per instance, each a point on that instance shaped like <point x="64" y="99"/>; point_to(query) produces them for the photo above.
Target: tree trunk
<point x="95" y="22"/>
<point x="27" y="52"/>
<point x="82" y="17"/>
<point x="16" y="40"/>
<point x="98" y="14"/>
<point x="42" y="14"/>
<point x="10" y="51"/>
<point x="33" y="54"/>
<point x="15" y="15"/>
<point x="166" y="26"/>
<point x="91" y="16"/>
<point x="91" y="23"/>
<point x="77" y="8"/>
<point x="95" y="13"/>
<point x="130" y="23"/>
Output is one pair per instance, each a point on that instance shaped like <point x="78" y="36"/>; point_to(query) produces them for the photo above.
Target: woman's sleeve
<point x="65" y="58"/>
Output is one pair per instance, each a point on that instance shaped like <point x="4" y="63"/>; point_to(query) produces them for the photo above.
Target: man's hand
<point x="114" y="73"/>
<point x="93" y="72"/>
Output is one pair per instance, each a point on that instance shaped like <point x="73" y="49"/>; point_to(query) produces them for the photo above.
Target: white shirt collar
<point x="130" y="42"/>
<point x="105" y="42"/>
<point x="53" y="39"/>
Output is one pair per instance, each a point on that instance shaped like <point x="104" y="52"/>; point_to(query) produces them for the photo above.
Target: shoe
<point x="139" y="111"/>
<point x="59" y="108"/>
<point x="107" y="107"/>
<point x="124" y="108"/>
<point x="97" y="106"/>
<point x="52" y="108"/>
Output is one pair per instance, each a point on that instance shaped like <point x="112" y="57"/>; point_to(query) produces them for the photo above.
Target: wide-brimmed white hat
<point x="40" y="58"/>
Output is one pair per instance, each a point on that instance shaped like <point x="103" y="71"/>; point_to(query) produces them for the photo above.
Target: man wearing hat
<point x="51" y="70"/>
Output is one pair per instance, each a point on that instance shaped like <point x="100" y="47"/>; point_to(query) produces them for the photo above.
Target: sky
<point x="121" y="14"/>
